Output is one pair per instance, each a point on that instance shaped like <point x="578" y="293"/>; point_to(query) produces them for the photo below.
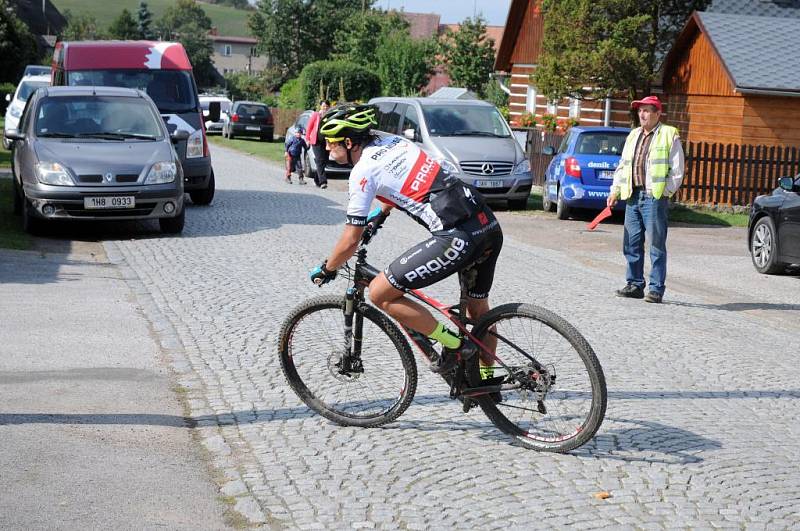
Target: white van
<point x="470" y="134"/>
<point x="26" y="87"/>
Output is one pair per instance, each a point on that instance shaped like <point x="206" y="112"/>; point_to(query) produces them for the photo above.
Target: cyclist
<point x="465" y="235"/>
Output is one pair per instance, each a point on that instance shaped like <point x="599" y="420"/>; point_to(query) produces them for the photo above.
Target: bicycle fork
<point x="350" y="361"/>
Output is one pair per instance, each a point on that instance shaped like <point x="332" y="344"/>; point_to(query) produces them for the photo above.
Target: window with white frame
<point x="226" y="50"/>
<point x="574" y="108"/>
<point x="530" y="100"/>
<point x="253" y="51"/>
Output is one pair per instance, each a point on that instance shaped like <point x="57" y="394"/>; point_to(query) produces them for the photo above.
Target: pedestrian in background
<point x="317" y="144"/>
<point x="650" y="171"/>
<point x="295" y="147"/>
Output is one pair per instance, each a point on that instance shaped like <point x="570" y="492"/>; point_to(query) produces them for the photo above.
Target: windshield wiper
<point x="56" y="135"/>
<point x="469" y="132"/>
<point x="116" y="136"/>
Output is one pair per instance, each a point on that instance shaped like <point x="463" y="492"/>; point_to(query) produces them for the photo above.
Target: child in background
<point x="295" y="148"/>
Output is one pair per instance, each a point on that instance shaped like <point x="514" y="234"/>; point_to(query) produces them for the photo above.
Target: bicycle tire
<point x="318" y="325"/>
<point x="541" y="332"/>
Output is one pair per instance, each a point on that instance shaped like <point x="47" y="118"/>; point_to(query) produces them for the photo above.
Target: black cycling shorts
<point x="470" y="248"/>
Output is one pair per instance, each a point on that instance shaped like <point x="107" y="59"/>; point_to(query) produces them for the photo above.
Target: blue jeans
<point x="645" y="214"/>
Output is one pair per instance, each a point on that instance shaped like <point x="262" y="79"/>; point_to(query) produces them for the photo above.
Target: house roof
<point x="758" y="53"/>
<point x="422" y="25"/>
<point x="505" y="47"/>
<point x="51" y="21"/>
<point x="756" y="8"/>
<point x="454" y="93"/>
<point x="232" y="39"/>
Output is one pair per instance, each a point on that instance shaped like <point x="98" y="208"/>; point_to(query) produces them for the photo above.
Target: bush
<point x="289" y="97"/>
<point x="336" y="80"/>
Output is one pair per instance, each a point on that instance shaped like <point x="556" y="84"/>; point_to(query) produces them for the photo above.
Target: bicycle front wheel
<point x="312" y="346"/>
<point x="555" y="392"/>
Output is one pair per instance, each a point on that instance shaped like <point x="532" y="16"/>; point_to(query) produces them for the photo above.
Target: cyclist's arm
<point x="345" y="247"/>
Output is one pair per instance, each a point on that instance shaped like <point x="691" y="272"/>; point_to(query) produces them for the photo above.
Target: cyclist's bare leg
<point x="476" y="308"/>
<point x="406" y="312"/>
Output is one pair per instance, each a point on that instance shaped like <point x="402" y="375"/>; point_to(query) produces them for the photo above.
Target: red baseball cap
<point x="649" y="100"/>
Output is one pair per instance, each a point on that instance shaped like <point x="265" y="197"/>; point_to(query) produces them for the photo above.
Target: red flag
<point x="606" y="212"/>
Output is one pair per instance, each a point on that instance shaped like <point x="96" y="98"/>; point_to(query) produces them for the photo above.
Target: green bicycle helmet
<point x="348" y="120"/>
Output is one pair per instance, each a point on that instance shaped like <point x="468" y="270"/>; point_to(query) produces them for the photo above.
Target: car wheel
<point x="230" y="134"/>
<point x="17" y="196"/>
<point x="547" y="205"/>
<point x="204" y="197"/>
<point x="30" y="223"/>
<point x="173" y="225"/>
<point x="518" y="204"/>
<point x="764" y="247"/>
<point x="562" y="210"/>
<point x="307" y="166"/>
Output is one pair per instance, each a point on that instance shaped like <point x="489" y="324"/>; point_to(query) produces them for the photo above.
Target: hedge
<point x="357" y="82"/>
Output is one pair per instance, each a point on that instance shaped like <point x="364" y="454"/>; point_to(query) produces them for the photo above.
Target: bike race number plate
<point x="109" y="201"/>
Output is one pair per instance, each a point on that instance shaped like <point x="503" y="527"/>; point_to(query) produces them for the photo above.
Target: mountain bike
<point x="537" y="378"/>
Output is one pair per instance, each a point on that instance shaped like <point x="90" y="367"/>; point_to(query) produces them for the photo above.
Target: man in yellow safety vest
<point x="650" y="171"/>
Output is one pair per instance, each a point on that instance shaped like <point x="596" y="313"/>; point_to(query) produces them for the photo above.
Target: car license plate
<point x="109" y="201"/>
<point x="253" y="128"/>
<point x="489" y="183"/>
<point x="605" y="174"/>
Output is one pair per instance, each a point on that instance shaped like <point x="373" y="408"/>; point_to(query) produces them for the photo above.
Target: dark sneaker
<point x="449" y="357"/>
<point x="323" y="186"/>
<point x="630" y="291"/>
<point x="652" y="296"/>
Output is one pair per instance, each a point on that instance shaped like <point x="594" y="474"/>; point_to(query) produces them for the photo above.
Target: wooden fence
<point x="716" y="174"/>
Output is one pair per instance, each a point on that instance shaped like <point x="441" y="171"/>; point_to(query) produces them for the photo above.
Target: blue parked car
<point x="582" y="170"/>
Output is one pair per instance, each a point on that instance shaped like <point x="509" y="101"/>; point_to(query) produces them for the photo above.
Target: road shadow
<point x="738" y="306"/>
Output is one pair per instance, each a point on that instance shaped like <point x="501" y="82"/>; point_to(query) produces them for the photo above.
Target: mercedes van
<point x="471" y="135"/>
<point x="163" y="70"/>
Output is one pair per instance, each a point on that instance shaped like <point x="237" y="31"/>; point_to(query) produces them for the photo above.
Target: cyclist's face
<point x="337" y="150"/>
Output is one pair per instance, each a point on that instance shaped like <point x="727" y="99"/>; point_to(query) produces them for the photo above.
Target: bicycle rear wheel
<point x="311" y="345"/>
<point x="564" y="402"/>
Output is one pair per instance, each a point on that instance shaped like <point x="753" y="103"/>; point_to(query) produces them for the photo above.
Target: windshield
<point x="172" y="90"/>
<point x="464" y="120"/>
<point x="109" y="117"/>
<point x="600" y="143"/>
<point x="26" y="88"/>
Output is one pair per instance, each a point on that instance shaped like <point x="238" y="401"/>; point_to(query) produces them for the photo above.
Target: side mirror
<point x="213" y="111"/>
<point x="787" y="183"/>
<point x="409" y="134"/>
<point x="179" y="135"/>
<point x="548" y="150"/>
<point x="14" y="134"/>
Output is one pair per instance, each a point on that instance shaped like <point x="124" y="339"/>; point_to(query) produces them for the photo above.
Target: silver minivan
<point x="470" y="134"/>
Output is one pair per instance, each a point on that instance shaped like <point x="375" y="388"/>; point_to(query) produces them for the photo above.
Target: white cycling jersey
<point x="397" y="172"/>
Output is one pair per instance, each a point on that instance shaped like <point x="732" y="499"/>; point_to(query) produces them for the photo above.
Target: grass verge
<point x="271" y="151"/>
<point x="11" y="233"/>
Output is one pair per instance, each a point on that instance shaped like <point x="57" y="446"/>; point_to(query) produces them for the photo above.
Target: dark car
<point x="773" y="232"/>
<point x="96" y="153"/>
<point x="332" y="168"/>
<point x="248" y="118"/>
<point x="582" y="170"/>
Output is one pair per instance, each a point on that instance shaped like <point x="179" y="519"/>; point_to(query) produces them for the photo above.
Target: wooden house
<point x="517" y="57"/>
<point x="733" y="78"/>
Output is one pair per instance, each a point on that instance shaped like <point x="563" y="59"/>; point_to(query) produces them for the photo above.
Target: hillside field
<point x="228" y="20"/>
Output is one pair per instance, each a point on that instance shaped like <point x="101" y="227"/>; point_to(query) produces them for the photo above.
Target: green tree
<point x="404" y="65"/>
<point x="187" y="23"/>
<point x="81" y="27"/>
<point x="144" y="21"/>
<point x="124" y="27"/>
<point x="595" y="47"/>
<point x="17" y="44"/>
<point x="359" y="39"/>
<point x="294" y="33"/>
<point x="469" y="55"/>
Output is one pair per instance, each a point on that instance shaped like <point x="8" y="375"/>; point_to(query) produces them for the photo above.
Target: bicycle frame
<point x="363" y="273"/>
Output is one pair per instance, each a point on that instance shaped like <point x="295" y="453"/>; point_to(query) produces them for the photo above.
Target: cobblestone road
<point x="704" y="391"/>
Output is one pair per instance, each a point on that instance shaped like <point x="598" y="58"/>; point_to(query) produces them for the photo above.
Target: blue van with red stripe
<point x="582" y="170"/>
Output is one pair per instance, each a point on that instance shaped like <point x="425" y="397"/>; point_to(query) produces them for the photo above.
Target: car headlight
<point x="523" y="167"/>
<point x="53" y="173"/>
<point x="16" y="112"/>
<point x="194" y="146"/>
<point x="161" y="172"/>
<point x="448" y="166"/>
